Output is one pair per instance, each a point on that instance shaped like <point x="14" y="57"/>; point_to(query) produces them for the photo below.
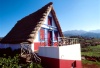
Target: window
<point x="49" y="20"/>
<point x="42" y="34"/>
<point x="55" y="35"/>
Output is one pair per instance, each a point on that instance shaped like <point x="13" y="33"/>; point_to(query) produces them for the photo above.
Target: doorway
<point x="49" y="38"/>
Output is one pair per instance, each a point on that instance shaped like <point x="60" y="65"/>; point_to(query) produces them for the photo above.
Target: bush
<point x="7" y="61"/>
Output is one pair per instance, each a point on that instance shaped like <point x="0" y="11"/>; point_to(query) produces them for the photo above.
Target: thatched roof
<point x="25" y="30"/>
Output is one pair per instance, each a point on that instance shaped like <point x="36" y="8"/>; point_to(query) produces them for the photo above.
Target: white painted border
<point x="67" y="52"/>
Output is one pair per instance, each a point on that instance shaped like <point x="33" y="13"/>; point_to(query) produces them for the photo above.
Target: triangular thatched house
<point x="41" y="31"/>
<point x="38" y="28"/>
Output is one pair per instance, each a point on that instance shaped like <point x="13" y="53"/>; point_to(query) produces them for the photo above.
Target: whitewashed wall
<point x="13" y="46"/>
<point x="32" y="47"/>
<point x="49" y="51"/>
<point x="69" y="52"/>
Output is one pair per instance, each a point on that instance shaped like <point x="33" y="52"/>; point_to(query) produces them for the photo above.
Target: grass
<point x="91" y="51"/>
<point x="90" y="62"/>
<point x="96" y="54"/>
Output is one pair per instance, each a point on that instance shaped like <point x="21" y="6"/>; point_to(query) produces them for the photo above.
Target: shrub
<point x="11" y="59"/>
<point x="13" y="62"/>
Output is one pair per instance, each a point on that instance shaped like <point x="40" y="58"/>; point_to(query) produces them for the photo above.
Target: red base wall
<point x="58" y="63"/>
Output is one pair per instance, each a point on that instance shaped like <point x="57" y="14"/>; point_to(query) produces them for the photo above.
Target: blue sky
<point x="72" y="14"/>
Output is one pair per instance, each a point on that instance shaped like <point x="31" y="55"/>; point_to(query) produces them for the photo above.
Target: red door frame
<point x="56" y="35"/>
<point x="49" y="38"/>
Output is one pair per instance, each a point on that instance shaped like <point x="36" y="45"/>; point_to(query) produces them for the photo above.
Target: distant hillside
<point x="93" y="33"/>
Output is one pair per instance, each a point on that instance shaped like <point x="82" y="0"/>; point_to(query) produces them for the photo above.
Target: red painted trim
<point x="59" y="63"/>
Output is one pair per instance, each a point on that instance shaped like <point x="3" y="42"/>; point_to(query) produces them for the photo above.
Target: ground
<point x="90" y="66"/>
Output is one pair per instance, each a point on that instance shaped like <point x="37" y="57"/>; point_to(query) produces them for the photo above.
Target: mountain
<point x="95" y="31"/>
<point x="92" y="33"/>
<point x="75" y="32"/>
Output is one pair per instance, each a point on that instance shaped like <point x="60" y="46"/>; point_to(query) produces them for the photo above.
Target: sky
<point x="71" y="14"/>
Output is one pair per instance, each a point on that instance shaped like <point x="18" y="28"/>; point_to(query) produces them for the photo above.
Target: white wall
<point x="52" y="52"/>
<point x="32" y="47"/>
<point x="13" y="46"/>
<point x="68" y="52"/>
<point x="71" y="52"/>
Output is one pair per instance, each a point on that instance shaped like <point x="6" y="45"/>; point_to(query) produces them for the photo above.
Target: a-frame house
<point x="40" y="31"/>
<point x="40" y="28"/>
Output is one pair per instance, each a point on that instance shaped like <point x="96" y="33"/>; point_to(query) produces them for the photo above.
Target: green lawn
<point x="91" y="51"/>
<point x="90" y="64"/>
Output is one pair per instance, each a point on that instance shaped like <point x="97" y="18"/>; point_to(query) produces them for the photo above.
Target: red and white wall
<point x="68" y="56"/>
<point x="47" y="35"/>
